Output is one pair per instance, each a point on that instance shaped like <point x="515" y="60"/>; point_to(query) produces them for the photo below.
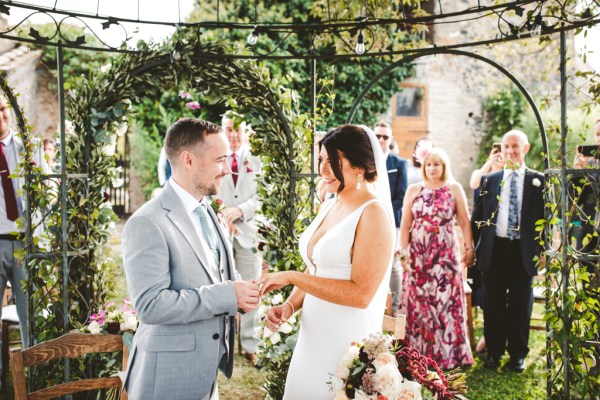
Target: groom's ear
<point x="185" y="159"/>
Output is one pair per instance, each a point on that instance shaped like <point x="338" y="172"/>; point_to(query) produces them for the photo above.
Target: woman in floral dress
<point x="433" y="298"/>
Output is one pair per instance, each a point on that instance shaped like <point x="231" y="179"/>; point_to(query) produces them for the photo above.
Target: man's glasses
<point x="384" y="137"/>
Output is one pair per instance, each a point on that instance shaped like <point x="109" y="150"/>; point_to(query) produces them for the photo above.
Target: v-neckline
<point x="309" y="256"/>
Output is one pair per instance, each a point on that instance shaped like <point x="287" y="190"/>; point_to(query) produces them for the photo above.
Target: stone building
<point x="444" y="100"/>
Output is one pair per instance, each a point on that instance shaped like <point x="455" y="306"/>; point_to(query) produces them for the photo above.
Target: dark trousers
<point x="508" y="301"/>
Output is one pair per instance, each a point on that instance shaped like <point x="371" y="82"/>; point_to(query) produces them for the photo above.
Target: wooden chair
<point x="71" y="345"/>
<point x="396" y="325"/>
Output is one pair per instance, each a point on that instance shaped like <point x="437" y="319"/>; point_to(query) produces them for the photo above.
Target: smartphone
<point x="497" y="147"/>
<point x="589" y="150"/>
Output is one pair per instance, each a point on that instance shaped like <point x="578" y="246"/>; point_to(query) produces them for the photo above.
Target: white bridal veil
<point x="381" y="187"/>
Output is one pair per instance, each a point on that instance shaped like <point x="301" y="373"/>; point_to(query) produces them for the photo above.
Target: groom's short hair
<point x="185" y="134"/>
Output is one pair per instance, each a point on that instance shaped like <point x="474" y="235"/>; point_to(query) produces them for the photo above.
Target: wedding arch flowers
<point x="383" y="368"/>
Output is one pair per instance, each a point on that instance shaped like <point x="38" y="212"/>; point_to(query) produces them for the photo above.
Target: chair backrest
<point x="396" y="325"/>
<point x="71" y="345"/>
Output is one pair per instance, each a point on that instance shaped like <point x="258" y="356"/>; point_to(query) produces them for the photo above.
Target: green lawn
<point x="483" y="383"/>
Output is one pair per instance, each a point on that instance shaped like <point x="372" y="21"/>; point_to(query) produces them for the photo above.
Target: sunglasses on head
<point x="384" y="137"/>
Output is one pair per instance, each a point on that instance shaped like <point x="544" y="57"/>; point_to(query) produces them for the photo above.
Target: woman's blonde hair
<point x="437" y="154"/>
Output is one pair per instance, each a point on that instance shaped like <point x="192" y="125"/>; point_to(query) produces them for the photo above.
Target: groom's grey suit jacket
<point x="185" y="304"/>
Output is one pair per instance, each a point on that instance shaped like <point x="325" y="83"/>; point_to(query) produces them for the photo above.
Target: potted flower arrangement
<point x="383" y="368"/>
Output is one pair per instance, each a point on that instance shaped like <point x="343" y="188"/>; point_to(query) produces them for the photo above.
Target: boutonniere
<point x="536" y="182"/>
<point x="247" y="165"/>
<point x="217" y="205"/>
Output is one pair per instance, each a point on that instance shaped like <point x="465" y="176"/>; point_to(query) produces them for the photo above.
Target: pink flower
<point x="422" y="150"/>
<point x="185" y="95"/>
<point x="109" y="304"/>
<point x="193" y="105"/>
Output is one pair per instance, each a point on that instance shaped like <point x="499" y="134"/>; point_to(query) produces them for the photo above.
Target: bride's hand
<point x="276" y="316"/>
<point x="274" y="281"/>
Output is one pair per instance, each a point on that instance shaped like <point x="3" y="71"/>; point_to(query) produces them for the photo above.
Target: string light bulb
<point x="252" y="37"/>
<point x="177" y="51"/>
<point x="360" y="44"/>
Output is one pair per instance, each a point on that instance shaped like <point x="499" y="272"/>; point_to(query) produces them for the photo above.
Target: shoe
<point x="250" y="357"/>
<point x="517" y="364"/>
<point x="491" y="362"/>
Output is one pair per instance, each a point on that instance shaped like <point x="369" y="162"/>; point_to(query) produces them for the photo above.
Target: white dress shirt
<point x="6" y="225"/>
<point x="503" y="204"/>
<point x="190" y="204"/>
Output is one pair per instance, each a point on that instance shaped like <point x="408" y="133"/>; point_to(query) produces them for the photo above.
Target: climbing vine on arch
<point x="97" y="106"/>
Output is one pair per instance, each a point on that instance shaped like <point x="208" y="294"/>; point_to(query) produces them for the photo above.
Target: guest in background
<point x="396" y="172"/>
<point x="12" y="207"/>
<point x="50" y="152"/>
<point x="433" y="297"/>
<point x="239" y="194"/>
<point x="504" y="217"/>
<point x="494" y="163"/>
<point x="414" y="167"/>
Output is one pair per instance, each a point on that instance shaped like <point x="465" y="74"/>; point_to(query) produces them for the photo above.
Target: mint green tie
<point x="209" y="232"/>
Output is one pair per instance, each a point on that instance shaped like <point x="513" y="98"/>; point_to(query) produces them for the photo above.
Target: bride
<point x="348" y="252"/>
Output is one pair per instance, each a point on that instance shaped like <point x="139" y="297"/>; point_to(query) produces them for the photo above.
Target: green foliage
<point x="152" y="117"/>
<point x="503" y="112"/>
<point x="339" y="82"/>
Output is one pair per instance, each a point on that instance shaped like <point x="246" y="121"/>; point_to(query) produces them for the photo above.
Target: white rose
<point x="130" y="323"/>
<point x="342" y="371"/>
<point x="341" y="395"/>
<point x="110" y="149"/>
<point x="285" y="328"/>
<point x="360" y="395"/>
<point x="263" y="310"/>
<point x="275" y="338"/>
<point x="384" y="359"/>
<point x="536" y="182"/>
<point x="350" y="356"/>
<point x="94" y="327"/>
<point x="277" y="299"/>
<point x="267" y="333"/>
<point x="410" y="390"/>
<point x="292" y="319"/>
<point x="117" y="183"/>
<point x="387" y="381"/>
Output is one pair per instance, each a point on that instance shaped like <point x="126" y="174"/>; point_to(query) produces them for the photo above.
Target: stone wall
<point x="457" y="86"/>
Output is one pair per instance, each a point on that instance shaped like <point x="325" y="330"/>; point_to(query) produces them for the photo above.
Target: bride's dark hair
<point x="353" y="142"/>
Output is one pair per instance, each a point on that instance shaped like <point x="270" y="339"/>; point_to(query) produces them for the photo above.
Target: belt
<point x="507" y="239"/>
<point x="8" y="236"/>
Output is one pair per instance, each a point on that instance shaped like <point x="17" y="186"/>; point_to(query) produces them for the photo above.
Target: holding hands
<point x="278" y="315"/>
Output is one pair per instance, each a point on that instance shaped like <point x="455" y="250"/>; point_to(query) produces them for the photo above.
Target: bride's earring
<point x="359" y="179"/>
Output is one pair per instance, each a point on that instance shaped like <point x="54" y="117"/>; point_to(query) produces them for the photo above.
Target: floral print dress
<point x="432" y="297"/>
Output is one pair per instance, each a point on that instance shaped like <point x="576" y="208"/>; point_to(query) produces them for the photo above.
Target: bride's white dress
<point x="328" y="329"/>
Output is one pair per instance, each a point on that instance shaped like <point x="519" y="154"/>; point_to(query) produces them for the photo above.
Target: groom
<point x="181" y="276"/>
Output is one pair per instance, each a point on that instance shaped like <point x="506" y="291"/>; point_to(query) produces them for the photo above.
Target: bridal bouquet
<point x="383" y="368"/>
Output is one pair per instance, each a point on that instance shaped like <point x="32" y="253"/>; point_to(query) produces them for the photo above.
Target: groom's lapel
<point x="176" y="213"/>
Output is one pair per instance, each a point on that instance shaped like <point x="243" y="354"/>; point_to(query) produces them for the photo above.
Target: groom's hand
<point x="247" y="295"/>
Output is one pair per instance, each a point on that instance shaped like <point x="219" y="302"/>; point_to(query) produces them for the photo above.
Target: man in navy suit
<point x="397" y="175"/>
<point x="507" y="248"/>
